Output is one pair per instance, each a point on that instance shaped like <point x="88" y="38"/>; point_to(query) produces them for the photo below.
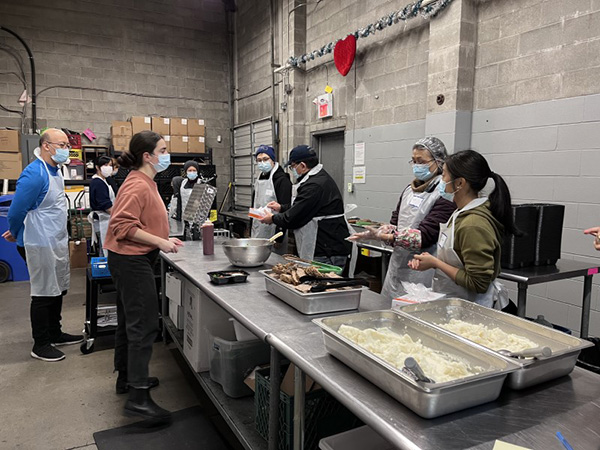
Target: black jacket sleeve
<point x="283" y="187"/>
<point x="430" y="226"/>
<point x="304" y="208"/>
<point x="99" y="198"/>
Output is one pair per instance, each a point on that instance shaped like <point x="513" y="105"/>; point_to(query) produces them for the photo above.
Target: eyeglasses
<point x="265" y="159"/>
<point x="62" y="145"/>
<point x="412" y="162"/>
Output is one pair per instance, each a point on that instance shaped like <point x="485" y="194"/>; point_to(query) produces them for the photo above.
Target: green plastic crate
<point x="323" y="415"/>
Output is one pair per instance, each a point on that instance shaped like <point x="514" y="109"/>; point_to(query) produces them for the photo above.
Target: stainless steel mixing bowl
<point x="247" y="252"/>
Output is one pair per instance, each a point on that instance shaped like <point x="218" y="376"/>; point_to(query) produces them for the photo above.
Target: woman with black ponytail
<point x="468" y="249"/>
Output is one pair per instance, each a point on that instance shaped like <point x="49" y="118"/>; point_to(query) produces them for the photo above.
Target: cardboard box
<point x="176" y="314"/>
<point x="161" y="125"/>
<point x="167" y="139"/>
<point x="250" y="380"/>
<point x="78" y="254"/>
<point x="202" y="318"/>
<point x="11" y="166"/>
<point x="9" y="141"/>
<point x="179" y="127"/>
<point x="196" y="127"/>
<point x="140" y="123"/>
<point x="120" y="128"/>
<point x="196" y="144"/>
<point x="174" y="287"/>
<point x="179" y="144"/>
<point x="121" y="143"/>
<point x="287" y="384"/>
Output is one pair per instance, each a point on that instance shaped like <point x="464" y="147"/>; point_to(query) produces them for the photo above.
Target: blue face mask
<point x="192" y="175"/>
<point x="295" y="173"/>
<point x="264" y="166"/>
<point x="421" y="172"/>
<point x="442" y="190"/>
<point x="61" y="156"/>
<point x="164" y="161"/>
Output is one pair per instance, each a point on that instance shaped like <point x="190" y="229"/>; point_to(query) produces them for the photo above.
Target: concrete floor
<point x="59" y="405"/>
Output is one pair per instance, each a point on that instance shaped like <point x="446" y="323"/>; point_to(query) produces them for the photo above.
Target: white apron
<point x="264" y="192"/>
<point x="100" y="225"/>
<point x="184" y="194"/>
<point x="306" y="236"/>
<point x="496" y="296"/>
<point x="413" y="209"/>
<point x="46" y="240"/>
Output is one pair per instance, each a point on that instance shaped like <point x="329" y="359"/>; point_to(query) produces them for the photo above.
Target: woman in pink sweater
<point x="138" y="230"/>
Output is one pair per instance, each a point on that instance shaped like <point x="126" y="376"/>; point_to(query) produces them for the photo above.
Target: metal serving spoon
<point x="528" y="353"/>
<point x="413" y="367"/>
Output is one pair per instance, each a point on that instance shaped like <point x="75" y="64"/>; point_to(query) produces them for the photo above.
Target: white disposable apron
<point x="306" y="236"/>
<point x="414" y="207"/>
<point x="496" y="296"/>
<point x="264" y="192"/>
<point x="46" y="240"/>
<point x="100" y="225"/>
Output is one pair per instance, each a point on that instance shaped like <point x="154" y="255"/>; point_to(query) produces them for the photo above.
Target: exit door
<point x="330" y="147"/>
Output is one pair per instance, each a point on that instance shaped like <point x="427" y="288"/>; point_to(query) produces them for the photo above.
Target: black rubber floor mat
<point x="190" y="429"/>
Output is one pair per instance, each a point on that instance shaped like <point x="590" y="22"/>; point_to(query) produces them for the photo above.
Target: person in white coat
<point x="272" y="185"/>
<point x="102" y="197"/>
<point x="415" y="223"/>
<point x="37" y="221"/>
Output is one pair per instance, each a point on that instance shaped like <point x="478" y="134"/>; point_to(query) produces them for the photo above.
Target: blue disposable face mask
<point x="61" y="156"/>
<point x="164" y="161"/>
<point x="264" y="166"/>
<point x="295" y="173"/>
<point x="192" y="175"/>
<point x="442" y="190"/>
<point x="421" y="172"/>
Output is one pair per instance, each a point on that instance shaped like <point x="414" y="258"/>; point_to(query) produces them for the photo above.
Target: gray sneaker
<point x="47" y="353"/>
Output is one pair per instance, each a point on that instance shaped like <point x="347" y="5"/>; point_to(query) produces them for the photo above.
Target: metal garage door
<point x="246" y="138"/>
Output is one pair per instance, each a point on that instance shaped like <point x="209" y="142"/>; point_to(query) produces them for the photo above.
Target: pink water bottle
<point x="208" y="238"/>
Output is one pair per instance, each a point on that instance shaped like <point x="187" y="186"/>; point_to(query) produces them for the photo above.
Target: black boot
<point x="123" y="388"/>
<point x="140" y="404"/>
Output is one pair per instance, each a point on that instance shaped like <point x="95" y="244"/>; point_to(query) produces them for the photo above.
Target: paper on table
<point x="500" y="445"/>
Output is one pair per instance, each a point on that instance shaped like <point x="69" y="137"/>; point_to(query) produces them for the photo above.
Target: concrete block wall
<point x="175" y="50"/>
<point x="536" y="118"/>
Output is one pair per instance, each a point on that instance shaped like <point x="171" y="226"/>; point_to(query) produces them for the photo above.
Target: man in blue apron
<point x="272" y="185"/>
<point x="37" y="221"/>
<point x="316" y="213"/>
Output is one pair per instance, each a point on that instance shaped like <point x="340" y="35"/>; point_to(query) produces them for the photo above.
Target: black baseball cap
<point x="301" y="153"/>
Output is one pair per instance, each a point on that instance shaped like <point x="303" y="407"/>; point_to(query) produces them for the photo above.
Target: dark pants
<point x="137" y="314"/>
<point x="45" y="314"/>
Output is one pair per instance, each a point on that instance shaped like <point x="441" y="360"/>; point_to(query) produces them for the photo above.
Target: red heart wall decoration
<point x="344" y="53"/>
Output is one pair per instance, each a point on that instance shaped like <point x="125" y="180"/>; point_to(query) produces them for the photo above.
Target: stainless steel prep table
<point x="529" y="418"/>
<point x="563" y="269"/>
<point x="251" y="305"/>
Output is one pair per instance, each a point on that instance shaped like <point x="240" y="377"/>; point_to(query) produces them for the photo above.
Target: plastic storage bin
<point x="363" y="438"/>
<point x="12" y="266"/>
<point x="100" y="267"/>
<point x="231" y="361"/>
<point x="323" y="415"/>
<point x="241" y="332"/>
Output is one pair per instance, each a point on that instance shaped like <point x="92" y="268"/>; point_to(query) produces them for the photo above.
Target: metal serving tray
<point x="428" y="400"/>
<point x="313" y="303"/>
<point x="565" y="348"/>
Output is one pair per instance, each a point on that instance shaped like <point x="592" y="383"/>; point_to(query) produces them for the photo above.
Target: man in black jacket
<point x="316" y="213"/>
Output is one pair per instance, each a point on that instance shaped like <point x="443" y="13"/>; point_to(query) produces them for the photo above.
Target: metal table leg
<point x="299" y="387"/>
<point x="274" y="387"/>
<point x="585" y="307"/>
<point x="522" y="300"/>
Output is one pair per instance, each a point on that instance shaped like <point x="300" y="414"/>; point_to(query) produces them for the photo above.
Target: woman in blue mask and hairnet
<point x="272" y="185"/>
<point x="182" y="188"/>
<point x="415" y="223"/>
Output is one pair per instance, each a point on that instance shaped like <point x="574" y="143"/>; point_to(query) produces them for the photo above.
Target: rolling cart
<point x="97" y="281"/>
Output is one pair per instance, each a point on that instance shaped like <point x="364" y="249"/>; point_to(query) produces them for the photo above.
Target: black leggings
<point x="137" y="314"/>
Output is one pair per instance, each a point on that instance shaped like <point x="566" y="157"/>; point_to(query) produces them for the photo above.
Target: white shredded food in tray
<point x="395" y="348"/>
<point x="493" y="338"/>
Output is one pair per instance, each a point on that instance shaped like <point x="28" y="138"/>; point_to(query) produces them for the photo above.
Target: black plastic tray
<point x="228" y="276"/>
